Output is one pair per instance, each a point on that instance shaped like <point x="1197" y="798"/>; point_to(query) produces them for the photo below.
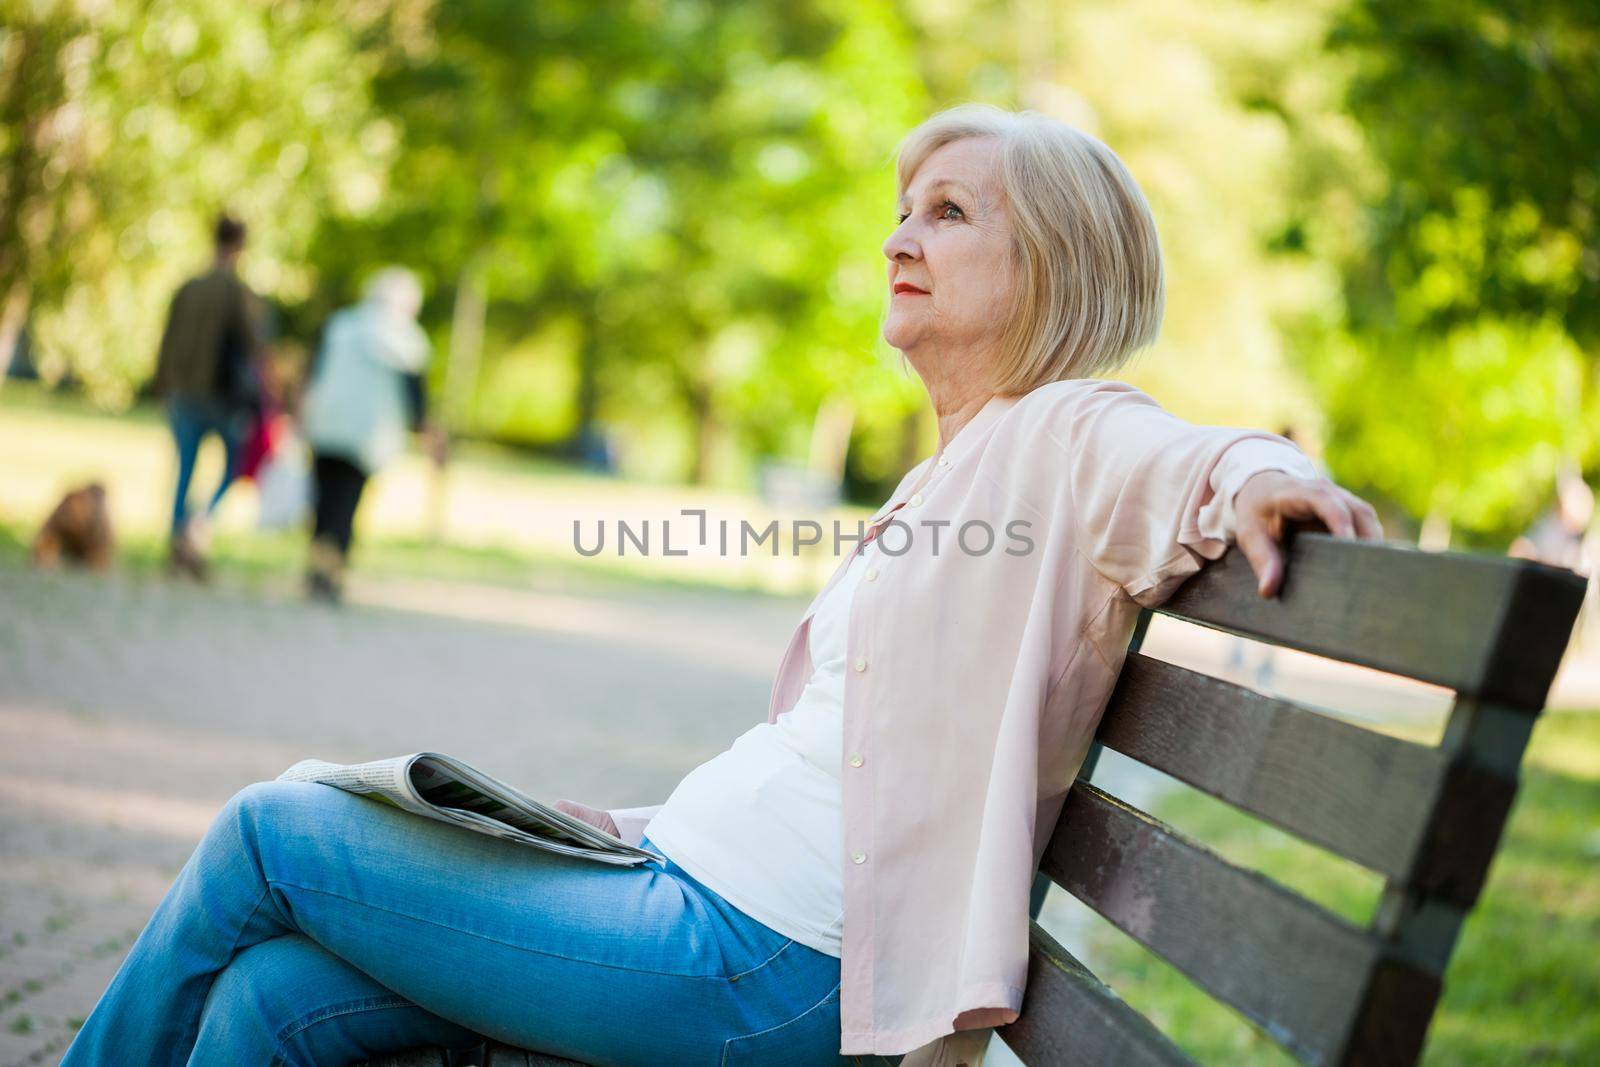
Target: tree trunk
<point x="24" y="166"/>
<point x="13" y="315"/>
<point x="705" y="431"/>
<point x="584" y="432"/>
<point x="1435" y="533"/>
<point x="466" y="341"/>
<point x="460" y="379"/>
<point x="830" y="436"/>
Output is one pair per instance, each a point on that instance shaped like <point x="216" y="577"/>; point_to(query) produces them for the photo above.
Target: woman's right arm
<point x="1153" y="495"/>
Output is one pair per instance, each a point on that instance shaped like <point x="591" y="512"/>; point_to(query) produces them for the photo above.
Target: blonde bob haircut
<point x="1089" y="289"/>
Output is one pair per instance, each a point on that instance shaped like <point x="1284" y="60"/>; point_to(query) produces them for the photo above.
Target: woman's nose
<point x="900" y="246"/>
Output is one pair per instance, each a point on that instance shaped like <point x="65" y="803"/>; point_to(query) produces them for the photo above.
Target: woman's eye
<point x="948" y="207"/>
<point x="902" y="216"/>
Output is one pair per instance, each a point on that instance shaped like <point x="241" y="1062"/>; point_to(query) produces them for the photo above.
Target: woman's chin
<point x="901" y="335"/>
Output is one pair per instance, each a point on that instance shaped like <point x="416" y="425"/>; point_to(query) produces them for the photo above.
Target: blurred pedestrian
<point x="206" y="371"/>
<point x="1566" y="536"/>
<point x="1558" y="537"/>
<point x="365" y="391"/>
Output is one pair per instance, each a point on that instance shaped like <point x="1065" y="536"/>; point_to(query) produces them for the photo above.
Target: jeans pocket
<point x="761" y="963"/>
<point x="804" y="1041"/>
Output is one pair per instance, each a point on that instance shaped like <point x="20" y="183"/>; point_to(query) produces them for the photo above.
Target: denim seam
<point x="499" y="941"/>
<point x="332" y="1011"/>
<point x="233" y="950"/>
<point x="771" y="1029"/>
<point x="265" y="893"/>
<point x="781" y="950"/>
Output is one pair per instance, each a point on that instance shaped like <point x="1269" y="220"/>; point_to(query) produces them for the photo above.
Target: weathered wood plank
<point x="1483" y="626"/>
<point x="1348" y="789"/>
<point x="1297" y="971"/>
<point x="1071" y="1019"/>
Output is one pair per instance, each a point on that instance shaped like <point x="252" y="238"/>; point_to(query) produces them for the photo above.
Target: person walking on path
<point x="206" y="373"/>
<point x="365" y="392"/>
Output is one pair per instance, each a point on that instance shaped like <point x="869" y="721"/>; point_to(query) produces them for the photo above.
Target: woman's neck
<point x="954" y="406"/>
<point x="957" y="381"/>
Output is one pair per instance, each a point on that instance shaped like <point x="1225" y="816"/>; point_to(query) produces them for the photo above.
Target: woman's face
<point x="950" y="260"/>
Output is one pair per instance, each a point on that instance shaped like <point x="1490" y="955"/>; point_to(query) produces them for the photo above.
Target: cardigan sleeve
<point x="1151" y="495"/>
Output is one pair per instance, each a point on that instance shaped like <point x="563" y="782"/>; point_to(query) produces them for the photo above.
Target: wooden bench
<point x="1426" y="818"/>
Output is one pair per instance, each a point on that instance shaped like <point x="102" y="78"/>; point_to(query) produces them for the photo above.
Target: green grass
<point x="1524" y="984"/>
<point x="266" y="562"/>
<point x="507" y="515"/>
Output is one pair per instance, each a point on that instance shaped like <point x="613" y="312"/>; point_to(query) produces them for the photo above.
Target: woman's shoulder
<point x="1058" y="410"/>
<point x="1068" y="392"/>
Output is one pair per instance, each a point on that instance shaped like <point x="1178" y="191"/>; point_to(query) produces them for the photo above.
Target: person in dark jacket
<point x="206" y="373"/>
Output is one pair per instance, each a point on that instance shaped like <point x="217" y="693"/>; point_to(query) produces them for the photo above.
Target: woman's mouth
<point x="906" y="289"/>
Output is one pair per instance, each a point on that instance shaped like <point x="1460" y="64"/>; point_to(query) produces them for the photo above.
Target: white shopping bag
<point x="285" y="483"/>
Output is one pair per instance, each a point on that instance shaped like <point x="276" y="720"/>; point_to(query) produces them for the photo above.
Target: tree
<point x="128" y="126"/>
<point x="1472" y="299"/>
<point x="691" y="197"/>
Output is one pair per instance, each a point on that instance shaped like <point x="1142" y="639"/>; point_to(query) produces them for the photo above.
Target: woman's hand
<point x="594" y="816"/>
<point x="1270" y="500"/>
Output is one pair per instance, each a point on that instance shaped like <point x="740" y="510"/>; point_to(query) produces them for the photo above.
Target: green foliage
<point x="130" y="125"/>
<point x="692" y="195"/>
<point x="1223" y="114"/>
<point x="1487" y="115"/>
<point x="1473" y="424"/>
<point x="663" y="217"/>
<point x="1461" y="373"/>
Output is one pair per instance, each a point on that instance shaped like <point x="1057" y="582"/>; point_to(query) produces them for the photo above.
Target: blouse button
<point x="916" y="500"/>
<point x="872" y="574"/>
<point x="944" y="461"/>
<point x="859" y="857"/>
<point x="861" y="663"/>
<point x="856" y="760"/>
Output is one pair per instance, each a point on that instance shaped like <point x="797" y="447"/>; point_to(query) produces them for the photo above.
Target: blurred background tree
<point x="128" y="126"/>
<point x="1462" y="376"/>
<point x="657" y="222"/>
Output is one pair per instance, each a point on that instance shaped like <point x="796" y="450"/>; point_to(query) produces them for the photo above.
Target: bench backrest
<point x="1427" y="818"/>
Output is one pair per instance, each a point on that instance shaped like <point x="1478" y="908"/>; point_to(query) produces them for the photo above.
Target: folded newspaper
<point x="442" y="788"/>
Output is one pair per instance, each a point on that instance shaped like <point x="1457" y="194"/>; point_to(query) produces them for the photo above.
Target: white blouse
<point x="760" y="825"/>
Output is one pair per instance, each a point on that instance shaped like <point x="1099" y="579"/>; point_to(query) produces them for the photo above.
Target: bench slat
<point x="1485" y="627"/>
<point x="1297" y="971"/>
<point x="1069" y="1017"/>
<point x="1351" y="790"/>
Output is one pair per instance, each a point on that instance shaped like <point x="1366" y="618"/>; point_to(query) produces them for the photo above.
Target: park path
<point x="131" y="709"/>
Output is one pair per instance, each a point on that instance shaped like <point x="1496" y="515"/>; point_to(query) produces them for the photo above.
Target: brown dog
<point x="78" y="531"/>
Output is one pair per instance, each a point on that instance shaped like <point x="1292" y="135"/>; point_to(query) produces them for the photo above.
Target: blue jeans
<point x="316" y="927"/>
<point x="191" y="420"/>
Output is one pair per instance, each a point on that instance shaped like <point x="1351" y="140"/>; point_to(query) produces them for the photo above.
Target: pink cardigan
<point x="979" y="679"/>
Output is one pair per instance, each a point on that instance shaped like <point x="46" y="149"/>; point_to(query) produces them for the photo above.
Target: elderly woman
<point x="849" y="881"/>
